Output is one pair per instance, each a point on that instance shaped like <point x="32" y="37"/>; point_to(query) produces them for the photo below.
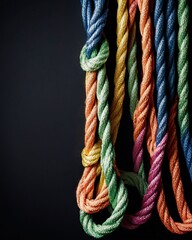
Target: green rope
<point x="133" y="86"/>
<point x="183" y="87"/>
<point x="117" y="191"/>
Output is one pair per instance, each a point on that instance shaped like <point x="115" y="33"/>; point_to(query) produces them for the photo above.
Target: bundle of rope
<point x="93" y="60"/>
<point x="153" y="108"/>
<point x="172" y="146"/>
<point x="144" y="110"/>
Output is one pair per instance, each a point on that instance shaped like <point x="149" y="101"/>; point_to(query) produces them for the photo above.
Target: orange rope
<point x="90" y="110"/>
<point x="182" y="206"/>
<point x="91" y="155"/>
<point x="142" y="109"/>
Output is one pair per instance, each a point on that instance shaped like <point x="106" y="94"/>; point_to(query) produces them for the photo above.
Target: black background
<point x="42" y="123"/>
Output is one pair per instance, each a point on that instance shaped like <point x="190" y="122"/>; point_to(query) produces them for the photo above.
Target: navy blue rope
<point x="160" y="71"/>
<point x="171" y="15"/>
<point x="94" y="21"/>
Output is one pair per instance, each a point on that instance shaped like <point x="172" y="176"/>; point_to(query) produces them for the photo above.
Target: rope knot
<point x="97" y="59"/>
<point x="91" y="157"/>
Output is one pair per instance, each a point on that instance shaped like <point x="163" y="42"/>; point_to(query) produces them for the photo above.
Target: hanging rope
<point x="183" y="88"/>
<point x="133" y="88"/>
<point x="172" y="145"/>
<point x="91" y="152"/>
<point x="120" y="69"/>
<point x="183" y="209"/>
<point x="148" y="202"/>
<point x="116" y="189"/>
<point x="142" y="109"/>
<point x="102" y="185"/>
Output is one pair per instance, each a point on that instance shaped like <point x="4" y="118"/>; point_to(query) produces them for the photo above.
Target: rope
<point x="98" y="155"/>
<point x="94" y="22"/>
<point x="183" y="209"/>
<point x="91" y="152"/>
<point x="120" y="69"/>
<point x="156" y="151"/>
<point x="183" y="88"/>
<point x="116" y="189"/>
<point x="172" y="145"/>
<point x="142" y="109"/>
<point x="133" y="88"/>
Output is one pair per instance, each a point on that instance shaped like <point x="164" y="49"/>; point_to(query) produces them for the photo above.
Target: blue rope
<point x="160" y="71"/>
<point x="171" y="15"/>
<point x="94" y="22"/>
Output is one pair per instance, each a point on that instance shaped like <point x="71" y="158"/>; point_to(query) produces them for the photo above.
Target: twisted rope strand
<point x="120" y="69"/>
<point x="148" y="202"/>
<point x="94" y="22"/>
<point x="152" y="127"/>
<point x="172" y="145"/>
<point x="183" y="88"/>
<point x="183" y="209"/>
<point x="91" y="60"/>
<point x="133" y="88"/>
<point x="119" y="80"/>
<point x="132" y="71"/>
<point x="91" y="153"/>
<point x="90" y="110"/>
<point x="142" y="109"/>
<point x="160" y="71"/>
<point x="117" y="190"/>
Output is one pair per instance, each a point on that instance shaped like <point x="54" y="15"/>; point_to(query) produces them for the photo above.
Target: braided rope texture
<point x="116" y="188"/>
<point x="146" y="94"/>
<point x="120" y="69"/>
<point x="183" y="87"/>
<point x="154" y="109"/>
<point x="91" y="152"/>
<point x="172" y="145"/>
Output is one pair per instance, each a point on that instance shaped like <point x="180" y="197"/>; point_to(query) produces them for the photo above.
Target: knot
<point x="92" y="157"/>
<point x="97" y="59"/>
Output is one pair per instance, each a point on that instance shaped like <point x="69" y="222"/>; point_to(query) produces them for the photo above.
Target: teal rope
<point x="117" y="192"/>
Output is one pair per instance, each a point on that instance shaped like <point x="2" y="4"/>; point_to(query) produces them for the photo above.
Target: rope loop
<point x="97" y="59"/>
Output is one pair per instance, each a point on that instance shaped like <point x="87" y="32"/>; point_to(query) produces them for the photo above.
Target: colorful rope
<point x="154" y="119"/>
<point x="142" y="109"/>
<point x="129" y="178"/>
<point x="172" y="145"/>
<point x="116" y="189"/>
<point x="146" y="93"/>
<point x="91" y="152"/>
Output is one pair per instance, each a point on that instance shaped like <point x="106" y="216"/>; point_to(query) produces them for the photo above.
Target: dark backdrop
<point x="42" y="123"/>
